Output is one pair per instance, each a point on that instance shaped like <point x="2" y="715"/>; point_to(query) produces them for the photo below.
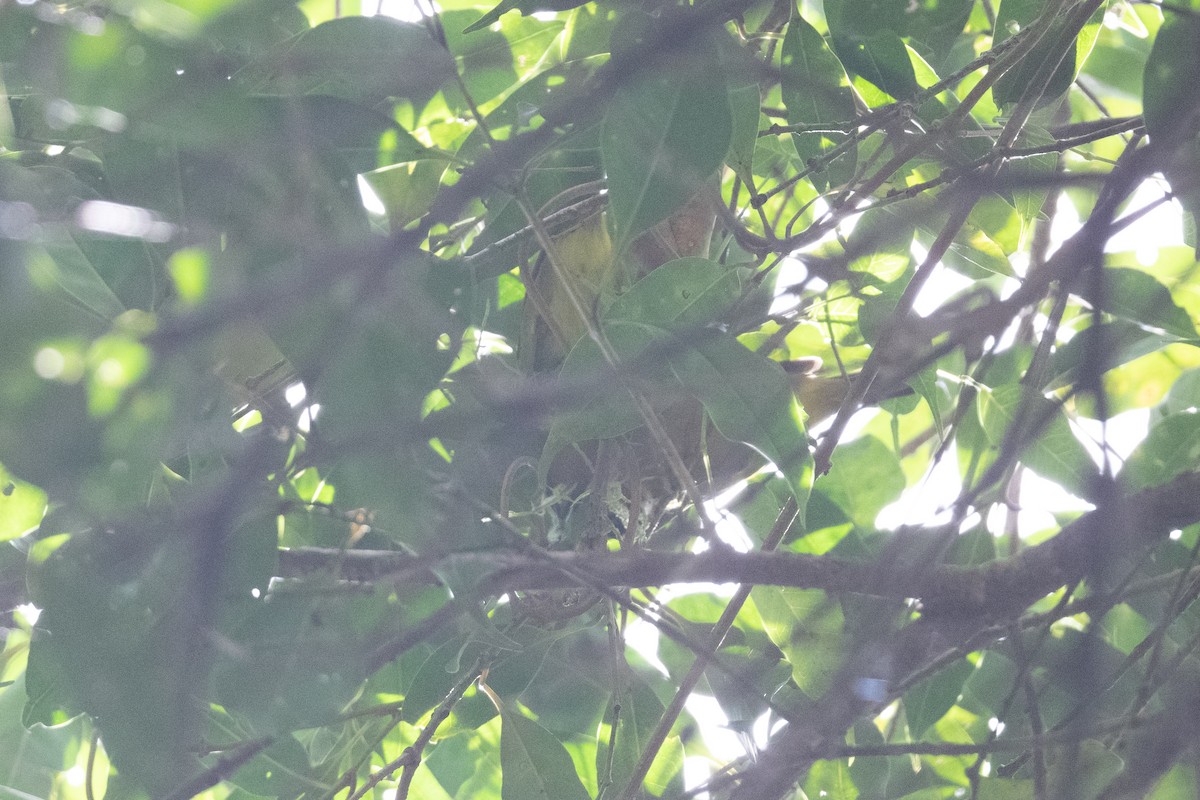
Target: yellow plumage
<point x="565" y="290"/>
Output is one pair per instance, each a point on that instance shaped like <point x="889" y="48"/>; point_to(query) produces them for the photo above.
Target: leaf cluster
<point x="294" y="503"/>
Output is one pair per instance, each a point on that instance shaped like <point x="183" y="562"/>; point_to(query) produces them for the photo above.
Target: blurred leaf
<point x="1036" y="70"/>
<point x="281" y="770"/>
<point x="31" y="758"/>
<point x="1137" y="296"/>
<point x="366" y="59"/>
<point x="866" y="37"/>
<point x="107" y="644"/>
<point x="525" y="7"/>
<point x="807" y="625"/>
<point x="434" y="680"/>
<point x="638" y="711"/>
<point x="831" y="779"/>
<point x="406" y="190"/>
<point x="1171" y="448"/>
<point x="664" y="135"/>
<point x="864" y="478"/>
<point x="1051" y="449"/>
<point x="22" y="506"/>
<point x="816" y="92"/>
<point x="1109" y="344"/>
<point x="750" y="400"/>
<point x="536" y="765"/>
<point x="684" y="293"/>
<point x="1171" y="84"/>
<point x="743" y="104"/>
<point x="929" y="700"/>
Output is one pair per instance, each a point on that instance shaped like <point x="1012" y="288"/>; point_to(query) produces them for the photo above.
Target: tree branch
<point x="995" y="589"/>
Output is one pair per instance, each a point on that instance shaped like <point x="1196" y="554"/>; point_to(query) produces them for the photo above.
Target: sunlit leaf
<point x="807" y="625"/>
<point x="536" y="766"/>
<point x="1171" y="448"/>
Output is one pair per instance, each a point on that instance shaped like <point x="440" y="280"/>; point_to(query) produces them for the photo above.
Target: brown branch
<point x="995" y="589"/>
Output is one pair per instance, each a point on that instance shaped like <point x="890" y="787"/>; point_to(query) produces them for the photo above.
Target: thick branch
<point x="994" y="589"/>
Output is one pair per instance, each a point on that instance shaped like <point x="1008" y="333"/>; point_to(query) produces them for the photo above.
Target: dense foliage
<point x="429" y="409"/>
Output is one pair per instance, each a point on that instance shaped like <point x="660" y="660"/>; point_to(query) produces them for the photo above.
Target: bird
<point x="564" y="290"/>
<point x="822" y="395"/>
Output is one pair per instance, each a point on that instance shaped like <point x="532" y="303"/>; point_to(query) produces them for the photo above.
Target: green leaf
<point x="32" y="758"/>
<point x="687" y="292"/>
<point x="65" y="264"/>
<point x="639" y="710"/>
<point x="407" y="190"/>
<point x="434" y="679"/>
<point x="749" y="400"/>
<point x="1051" y="450"/>
<point x="664" y="135"/>
<point x="747" y="397"/>
<point x="865" y="36"/>
<point x="22" y="506"/>
<point x="1185" y="392"/>
<point x="865" y="477"/>
<point x="296" y="661"/>
<point x="365" y="59"/>
<point x="1117" y="342"/>
<point x="744" y="106"/>
<point x="282" y="770"/>
<point x="536" y="766"/>
<point x="1171" y="80"/>
<point x="681" y="293"/>
<point x="1171" y="448"/>
<point x="816" y="91"/>
<point x="1005" y="789"/>
<point x="807" y="625"/>
<point x="1014" y="15"/>
<point x="832" y="780"/>
<point x="525" y="7"/>
<point x="929" y="700"/>
<point x="1138" y="296"/>
<point x="934" y="25"/>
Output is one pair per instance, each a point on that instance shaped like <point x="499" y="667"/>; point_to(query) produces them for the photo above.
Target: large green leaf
<point x="31" y="758"/>
<point x="1171" y="448"/>
<point x="749" y="399"/>
<point x="865" y="477"/>
<point x="1050" y="448"/>
<point x="866" y="37"/>
<point x="688" y="292"/>
<point x="363" y="58"/>
<point x="929" y="700"/>
<point x="1039" y="63"/>
<point x="638" y="711"/>
<point x="536" y="765"/>
<point x="664" y="136"/>
<point x="1137" y="296"/>
<point x="816" y="92"/>
<point x="1170" y="97"/>
<point x="807" y="625"/>
<point x="743" y="104"/>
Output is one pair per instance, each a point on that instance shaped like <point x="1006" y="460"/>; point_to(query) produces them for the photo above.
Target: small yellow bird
<point x="821" y="395"/>
<point x="565" y="290"/>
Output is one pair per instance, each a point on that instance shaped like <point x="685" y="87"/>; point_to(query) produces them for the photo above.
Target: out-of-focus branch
<point x="996" y="589"/>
